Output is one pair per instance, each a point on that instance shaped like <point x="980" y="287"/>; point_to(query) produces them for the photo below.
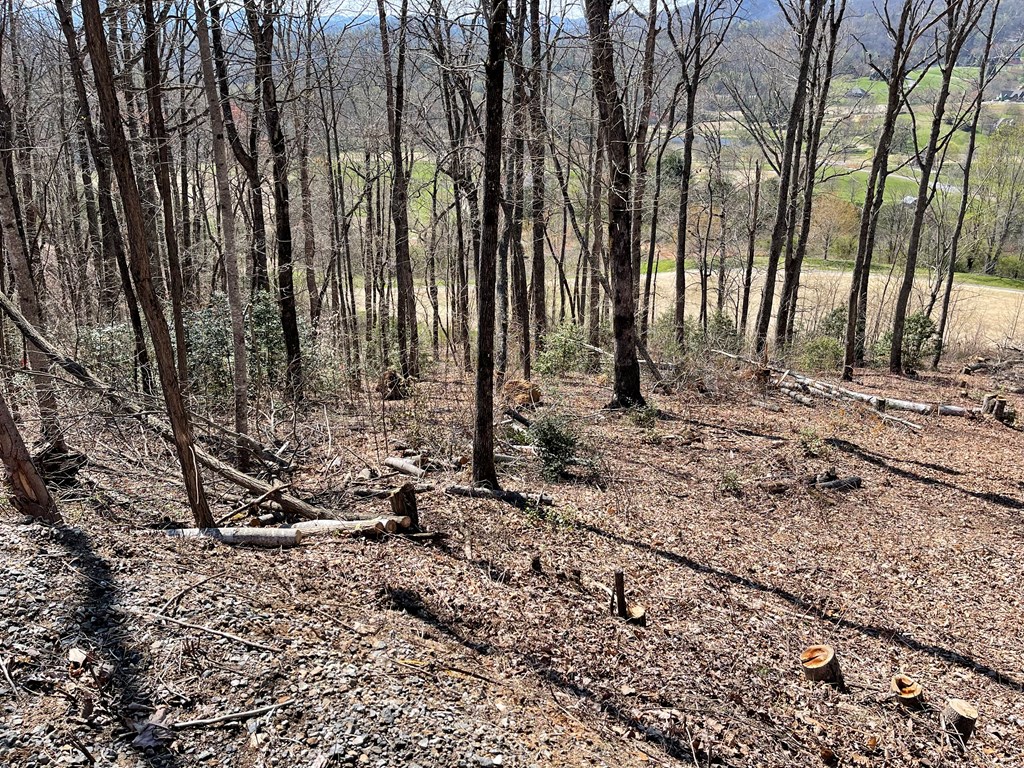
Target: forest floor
<point x="493" y="644"/>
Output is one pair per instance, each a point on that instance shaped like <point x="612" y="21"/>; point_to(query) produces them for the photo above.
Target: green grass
<point x="968" y="278"/>
<point x="853" y="186"/>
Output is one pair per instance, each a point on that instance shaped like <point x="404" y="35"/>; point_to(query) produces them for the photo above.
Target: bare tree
<point x="960" y="20"/>
<point x="394" y="83"/>
<point x="701" y="33"/>
<point x="261" y="27"/>
<point x="140" y="256"/>
<point x="226" y="210"/>
<point x="484" y="472"/>
<point x="609" y="101"/>
<point x="803" y="17"/>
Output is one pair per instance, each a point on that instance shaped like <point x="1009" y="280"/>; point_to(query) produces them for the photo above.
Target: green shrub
<point x="563" y="351"/>
<point x="731" y="483"/>
<point x="811" y="442"/>
<point x="823" y="353"/>
<point x="109" y="352"/>
<point x="834" y="324"/>
<point x="918" y="340"/>
<point x="556" y="442"/>
<point x="722" y="333"/>
<point x="645" y="417"/>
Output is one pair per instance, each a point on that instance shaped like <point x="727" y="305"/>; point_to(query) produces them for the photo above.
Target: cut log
<point x="271" y="538"/>
<point x="958" y="719"/>
<point x="841" y="484"/>
<point x="821" y="665"/>
<point x="377" y="525"/>
<point x="403" y="504"/>
<point x="380" y="492"/>
<point x="404" y="466"/>
<point x="516" y="416"/>
<point x="908" y="691"/>
<point x="520" y="500"/>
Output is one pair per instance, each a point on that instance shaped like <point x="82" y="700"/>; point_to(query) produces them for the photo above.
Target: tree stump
<point x="958" y="719"/>
<point x="908" y="691"/>
<point x="403" y="504"/>
<point x="999" y="408"/>
<point x="633" y="614"/>
<point x="821" y="665"/>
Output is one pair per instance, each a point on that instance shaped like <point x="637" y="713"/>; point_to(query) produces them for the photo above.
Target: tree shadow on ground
<point x="97" y="626"/>
<point x="885" y="462"/>
<point x="409" y="600"/>
<point x="870" y="630"/>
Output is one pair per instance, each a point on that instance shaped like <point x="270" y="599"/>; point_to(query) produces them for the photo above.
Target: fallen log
<point x="381" y="492"/>
<point x="377" y="525"/>
<point x="514" y="498"/>
<point x="840" y="484"/>
<point x="404" y="466"/>
<point x="289" y="504"/>
<point x="271" y="538"/>
<point x="823" y="386"/>
<point x="513" y="414"/>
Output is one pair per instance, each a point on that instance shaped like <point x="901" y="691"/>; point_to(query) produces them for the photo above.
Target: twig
<point x="79" y="746"/>
<point x="210" y="630"/>
<point x="255" y="502"/>
<point x="10" y="680"/>
<point x="232" y="716"/>
<point x="180" y="593"/>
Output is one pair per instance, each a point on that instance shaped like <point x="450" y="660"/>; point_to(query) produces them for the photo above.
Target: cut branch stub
<point x="958" y="719"/>
<point x="821" y="665"/>
<point x="908" y="691"/>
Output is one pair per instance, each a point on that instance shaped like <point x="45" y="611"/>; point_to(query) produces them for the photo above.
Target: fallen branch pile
<point x="289" y="504"/>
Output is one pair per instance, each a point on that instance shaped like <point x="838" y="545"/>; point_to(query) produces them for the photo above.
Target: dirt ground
<point x="493" y="644"/>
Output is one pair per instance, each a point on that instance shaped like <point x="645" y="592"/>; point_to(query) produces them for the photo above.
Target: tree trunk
<point x="954" y="248"/>
<point x="239" y="369"/>
<point x="18" y="254"/>
<point x="162" y="163"/>
<point x="408" y="351"/>
<point x="140" y="261"/>
<point x="29" y="493"/>
<point x="484" y="472"/>
<point x="627" y="368"/>
<point x="808" y="21"/>
<point x="538" y="216"/>
<point x="748" y="269"/>
<point x="262" y="32"/>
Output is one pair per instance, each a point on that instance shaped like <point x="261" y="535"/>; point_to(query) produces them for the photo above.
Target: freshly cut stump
<point x="907" y="690"/>
<point x="821" y="665"/>
<point x="958" y="719"/>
